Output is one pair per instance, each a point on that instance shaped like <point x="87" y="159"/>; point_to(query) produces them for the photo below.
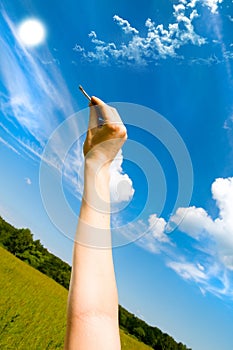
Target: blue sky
<point x="167" y="67"/>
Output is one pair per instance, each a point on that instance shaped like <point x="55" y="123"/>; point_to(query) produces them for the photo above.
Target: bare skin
<point x="92" y="313"/>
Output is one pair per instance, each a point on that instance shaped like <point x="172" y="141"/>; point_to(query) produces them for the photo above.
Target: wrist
<point x="96" y="185"/>
<point x="97" y="168"/>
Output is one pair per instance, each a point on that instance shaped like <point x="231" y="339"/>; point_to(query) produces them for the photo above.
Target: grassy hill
<point x="33" y="309"/>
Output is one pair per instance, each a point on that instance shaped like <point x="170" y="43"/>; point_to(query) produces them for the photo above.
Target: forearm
<point x="92" y="320"/>
<point x="92" y="249"/>
<point x="93" y="297"/>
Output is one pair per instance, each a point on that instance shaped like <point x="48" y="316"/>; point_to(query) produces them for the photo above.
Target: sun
<point x="31" y="32"/>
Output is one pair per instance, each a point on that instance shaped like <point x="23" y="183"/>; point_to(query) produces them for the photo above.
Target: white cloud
<point x="228" y="124"/>
<point x="192" y="220"/>
<point x="198" y="224"/>
<point x="158" y="43"/>
<point x="157" y="228"/>
<point x="188" y="271"/>
<point x="28" y="181"/>
<point x="200" y="267"/>
<point x="192" y="3"/>
<point x="126" y="27"/>
<point x="212" y="4"/>
<point x="208" y="258"/>
<point x="206" y="277"/>
<point x="121" y="186"/>
<point x="148" y="234"/>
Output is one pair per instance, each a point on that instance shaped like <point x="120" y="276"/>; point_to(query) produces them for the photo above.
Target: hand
<point x="106" y="133"/>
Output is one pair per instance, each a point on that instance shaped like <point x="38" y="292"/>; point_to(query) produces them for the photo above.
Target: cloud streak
<point x="35" y="96"/>
<point x="35" y="101"/>
<point x="5" y="143"/>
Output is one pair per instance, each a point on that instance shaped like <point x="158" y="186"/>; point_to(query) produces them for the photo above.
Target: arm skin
<point x="92" y="313"/>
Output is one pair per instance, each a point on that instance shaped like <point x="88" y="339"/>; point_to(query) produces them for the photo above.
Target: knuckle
<point x="117" y="129"/>
<point x="123" y="132"/>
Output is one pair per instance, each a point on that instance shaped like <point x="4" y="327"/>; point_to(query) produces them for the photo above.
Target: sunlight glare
<point x="32" y="32"/>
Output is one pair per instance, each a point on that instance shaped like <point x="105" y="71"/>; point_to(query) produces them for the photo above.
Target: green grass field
<point x="33" y="309"/>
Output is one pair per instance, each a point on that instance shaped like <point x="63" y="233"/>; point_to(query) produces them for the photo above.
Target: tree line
<point x="20" y="242"/>
<point x="149" y="335"/>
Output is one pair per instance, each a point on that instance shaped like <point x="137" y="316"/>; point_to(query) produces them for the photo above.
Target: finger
<point x="96" y="101"/>
<point x="95" y="118"/>
<point x="103" y="112"/>
<point x="116" y="116"/>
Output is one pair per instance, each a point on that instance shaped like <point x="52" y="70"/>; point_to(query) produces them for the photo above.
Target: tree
<point x="139" y="332"/>
<point x="19" y="241"/>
